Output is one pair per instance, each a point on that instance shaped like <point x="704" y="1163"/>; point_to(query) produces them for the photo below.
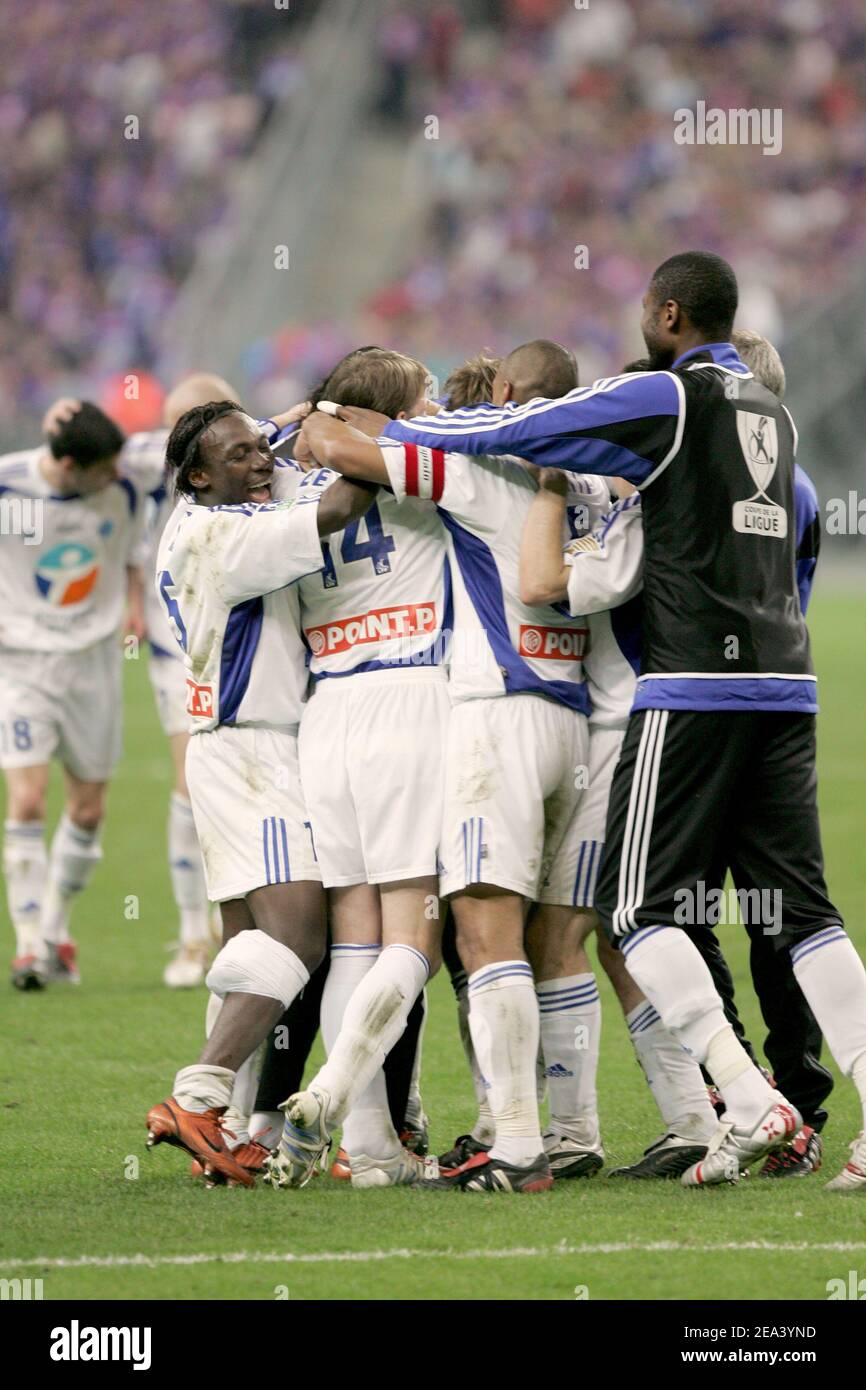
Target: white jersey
<point x="63" y="559"/>
<point x="605" y="582"/>
<point x="143" y="459"/>
<point x="383" y="598"/>
<point x="226" y="577"/>
<point x="501" y="646"/>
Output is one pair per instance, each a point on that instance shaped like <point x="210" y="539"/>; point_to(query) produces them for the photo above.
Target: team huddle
<point x="464" y="681"/>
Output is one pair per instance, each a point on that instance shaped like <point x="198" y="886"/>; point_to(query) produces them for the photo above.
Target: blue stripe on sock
<point x="645" y="1019"/>
<point x="815" y="943"/>
<point x="401" y="946"/>
<point x="638" y="935"/>
<point x="646" y="1025"/>
<point x="515" y="972"/>
<point x="485" y="970"/>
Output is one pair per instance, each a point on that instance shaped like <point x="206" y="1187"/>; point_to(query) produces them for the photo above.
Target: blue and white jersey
<point x="501" y="646"/>
<point x="143" y="460"/>
<point x="63" y="557"/>
<point x="808" y="534"/>
<point x="605" y="579"/>
<point x="383" y="597"/>
<point x="713" y="454"/>
<point x="226" y="577"/>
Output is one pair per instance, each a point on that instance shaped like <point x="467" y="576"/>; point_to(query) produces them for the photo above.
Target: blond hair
<point x="472" y="382"/>
<point x="761" y="358"/>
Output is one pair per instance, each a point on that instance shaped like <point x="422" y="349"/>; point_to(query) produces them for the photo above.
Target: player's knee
<point x="86" y="809"/>
<point x="255" y="963"/>
<point x="26" y="804"/>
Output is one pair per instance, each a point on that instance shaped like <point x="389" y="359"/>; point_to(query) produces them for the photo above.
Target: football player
<point x="605" y="572"/>
<point x="372" y="741"/>
<point x="226" y="571"/>
<point x="513" y="765"/>
<point x="143" y="458"/>
<point x="67" y="569"/>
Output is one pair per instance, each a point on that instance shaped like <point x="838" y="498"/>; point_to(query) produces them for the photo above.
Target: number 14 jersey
<point x="383" y="597"/>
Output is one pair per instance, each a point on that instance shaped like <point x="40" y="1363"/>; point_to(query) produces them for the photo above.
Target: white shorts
<point x="66" y="705"/>
<point x="249" y="810"/>
<point x="372" y="751"/>
<point x="512" y="789"/>
<point x="168" y="679"/>
<point x="585" y="840"/>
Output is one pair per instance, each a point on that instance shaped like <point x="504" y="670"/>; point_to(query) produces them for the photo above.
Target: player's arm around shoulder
<point x="605" y="568"/>
<point x="239" y="552"/>
<point x="336" y="444"/>
<point x="543" y="570"/>
<point x="341" y="500"/>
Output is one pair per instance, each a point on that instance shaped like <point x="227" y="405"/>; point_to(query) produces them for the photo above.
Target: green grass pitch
<point x="80" y="1067"/>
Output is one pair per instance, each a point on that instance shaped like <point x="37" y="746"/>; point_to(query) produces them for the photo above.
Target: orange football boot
<point x="200" y="1134"/>
<point x="250" y="1156"/>
<point x="340" y="1168"/>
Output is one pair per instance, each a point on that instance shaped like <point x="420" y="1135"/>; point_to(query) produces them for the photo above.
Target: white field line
<point x="517" y="1252"/>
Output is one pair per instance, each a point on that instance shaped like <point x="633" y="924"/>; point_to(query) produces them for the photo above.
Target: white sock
<point x="244" y="1090"/>
<point x="374" y="1019"/>
<point x="187" y="871"/>
<point x="570" y="1012"/>
<point x="746" y="1091"/>
<point x="367" y="1129"/>
<point x="669" y="969"/>
<point x="349" y="964"/>
<point x="503" y="1017"/>
<point x="25" y="867"/>
<point x="75" y="853"/>
<point x="266" y="1127"/>
<point x="832" y="976"/>
<point x="484" y="1130"/>
<point x="674" y="1077"/>
<point x="202" y="1087"/>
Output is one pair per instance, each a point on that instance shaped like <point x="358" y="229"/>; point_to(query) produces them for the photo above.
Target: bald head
<point x="761" y="358"/>
<point x="539" y="368"/>
<point x="200" y="388"/>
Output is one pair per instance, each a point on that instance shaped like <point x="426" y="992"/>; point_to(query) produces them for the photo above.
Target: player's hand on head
<point x="297" y="412"/>
<point x="60" y="412"/>
<point x="370" y="422"/>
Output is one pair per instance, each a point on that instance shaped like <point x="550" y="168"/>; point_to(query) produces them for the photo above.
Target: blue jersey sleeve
<point x="627" y="426"/>
<point x="808" y="534"/>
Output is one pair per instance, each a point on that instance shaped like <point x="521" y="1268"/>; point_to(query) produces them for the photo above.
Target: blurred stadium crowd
<point x="100" y="220"/>
<point x="555" y="131"/>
